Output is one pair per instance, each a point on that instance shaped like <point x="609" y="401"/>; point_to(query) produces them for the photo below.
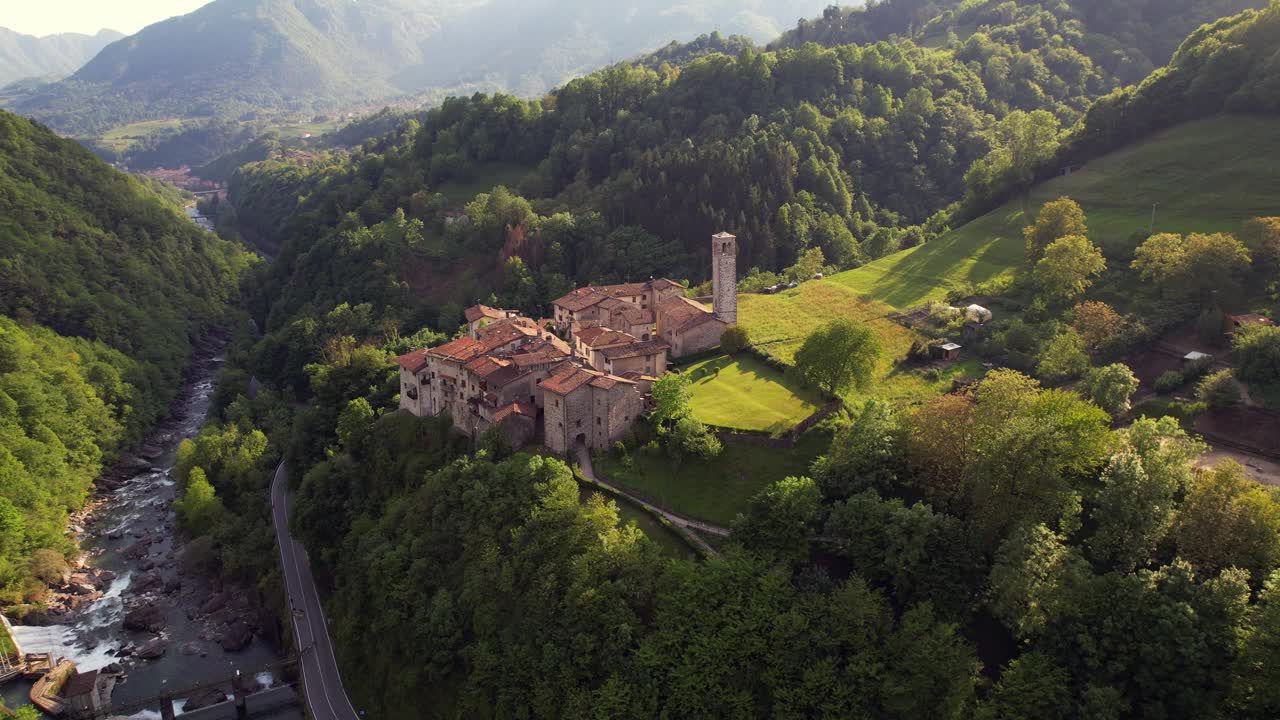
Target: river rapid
<point x="129" y="533"/>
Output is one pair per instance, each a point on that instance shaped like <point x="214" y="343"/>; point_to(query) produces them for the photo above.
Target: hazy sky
<point x="46" y="17"/>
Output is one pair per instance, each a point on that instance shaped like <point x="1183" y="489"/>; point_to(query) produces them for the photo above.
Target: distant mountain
<point x="27" y="56"/>
<point x="234" y="57"/>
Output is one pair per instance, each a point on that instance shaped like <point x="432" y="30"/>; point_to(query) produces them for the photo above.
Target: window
<point x="578" y="424"/>
<point x="557" y="402"/>
<point x="597" y="420"/>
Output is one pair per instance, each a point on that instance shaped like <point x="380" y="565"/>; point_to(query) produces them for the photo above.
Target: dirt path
<point x="584" y="461"/>
<point x="1264" y="470"/>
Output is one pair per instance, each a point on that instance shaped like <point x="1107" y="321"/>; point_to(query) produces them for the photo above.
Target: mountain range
<point x="235" y="57"/>
<point x="52" y="56"/>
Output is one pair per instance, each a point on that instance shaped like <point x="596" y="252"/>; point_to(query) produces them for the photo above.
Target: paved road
<point x="322" y="684"/>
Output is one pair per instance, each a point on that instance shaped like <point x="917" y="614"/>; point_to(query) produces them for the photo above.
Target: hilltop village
<point x="584" y="375"/>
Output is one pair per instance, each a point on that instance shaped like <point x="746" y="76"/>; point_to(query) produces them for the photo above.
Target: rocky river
<point x="133" y="602"/>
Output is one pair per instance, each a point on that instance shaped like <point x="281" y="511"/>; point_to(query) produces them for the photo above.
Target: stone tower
<point x="724" y="277"/>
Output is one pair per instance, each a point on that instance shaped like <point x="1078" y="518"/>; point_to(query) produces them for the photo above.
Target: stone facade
<point x="724" y="278"/>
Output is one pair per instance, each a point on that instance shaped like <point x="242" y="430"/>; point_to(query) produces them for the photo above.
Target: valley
<point x="921" y="360"/>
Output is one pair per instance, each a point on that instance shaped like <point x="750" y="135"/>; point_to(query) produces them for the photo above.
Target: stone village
<point x="581" y="377"/>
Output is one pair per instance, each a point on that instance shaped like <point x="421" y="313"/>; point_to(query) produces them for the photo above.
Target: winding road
<point x="322" y="683"/>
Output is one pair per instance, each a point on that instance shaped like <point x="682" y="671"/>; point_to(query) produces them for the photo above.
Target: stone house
<point x="689" y="327"/>
<point x="478" y="316"/>
<point x="622" y="307"/>
<point x="589" y="407"/>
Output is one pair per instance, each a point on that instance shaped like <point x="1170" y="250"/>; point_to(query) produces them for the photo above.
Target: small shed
<point x="1196" y="356"/>
<point x="1248" y="320"/>
<point x="950" y="351"/>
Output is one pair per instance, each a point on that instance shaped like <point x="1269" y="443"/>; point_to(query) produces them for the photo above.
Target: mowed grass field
<point x="125" y="136"/>
<point x="744" y="393"/>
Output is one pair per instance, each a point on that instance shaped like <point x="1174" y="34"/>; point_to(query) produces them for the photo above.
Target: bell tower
<point x="724" y="277"/>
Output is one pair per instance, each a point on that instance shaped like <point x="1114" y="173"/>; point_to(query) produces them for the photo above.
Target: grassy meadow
<point x="1117" y="192"/>
<point x="744" y="393"/>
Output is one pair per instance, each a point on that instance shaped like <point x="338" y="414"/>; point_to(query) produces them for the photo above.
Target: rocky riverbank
<point x="138" y="597"/>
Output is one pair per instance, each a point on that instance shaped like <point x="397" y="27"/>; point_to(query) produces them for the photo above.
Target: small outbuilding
<point x="1248" y="320"/>
<point x="978" y="314"/>
<point x="950" y="351"/>
<point x="1196" y="356"/>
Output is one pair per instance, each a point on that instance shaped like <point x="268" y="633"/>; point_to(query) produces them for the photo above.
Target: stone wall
<point x="696" y="340"/>
<point x="724" y="278"/>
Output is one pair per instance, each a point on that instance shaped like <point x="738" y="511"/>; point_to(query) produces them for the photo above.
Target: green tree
<point x="1097" y="323"/>
<point x="1110" y="387"/>
<point x="199" y="509"/>
<point x="781" y="519"/>
<point x="865" y="454"/>
<point x="735" y="339"/>
<point x="690" y="438"/>
<point x="839" y="356"/>
<point x="1031" y="569"/>
<point x="1219" y="390"/>
<point x="1199" y="265"/>
<point x="1063" y="358"/>
<point x="670" y="399"/>
<point x="1257" y="354"/>
<point x="1032" y="687"/>
<point x="354" y="423"/>
<point x="1256" y="690"/>
<point x="1057" y="219"/>
<point x="1067" y="268"/>
<point x="1228" y="520"/>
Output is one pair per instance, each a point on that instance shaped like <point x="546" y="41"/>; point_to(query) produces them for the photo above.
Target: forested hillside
<point x="104" y="288"/>
<point x="25" y="56"/>
<point x="856" y="150"/>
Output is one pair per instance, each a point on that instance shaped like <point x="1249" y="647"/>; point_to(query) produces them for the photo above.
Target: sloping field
<point x="1172" y="170"/>
<point x="1205" y="176"/>
<point x="744" y="393"/>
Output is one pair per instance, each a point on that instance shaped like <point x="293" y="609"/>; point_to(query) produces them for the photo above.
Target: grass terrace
<point x="716" y="491"/>
<point x="743" y="393"/>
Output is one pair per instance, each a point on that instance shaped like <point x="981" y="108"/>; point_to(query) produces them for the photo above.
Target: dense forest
<point x="105" y="287"/>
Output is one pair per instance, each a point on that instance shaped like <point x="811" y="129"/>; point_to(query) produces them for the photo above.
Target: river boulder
<point x="153" y="649"/>
<point x="203" y="698"/>
<point x="237" y="636"/>
<point x="145" y="618"/>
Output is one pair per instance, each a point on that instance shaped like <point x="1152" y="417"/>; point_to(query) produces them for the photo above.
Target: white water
<point x="77" y="642"/>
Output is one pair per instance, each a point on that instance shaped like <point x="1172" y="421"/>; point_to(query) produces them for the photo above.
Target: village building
<point x="588" y="384"/>
<point x="1239" y="323"/>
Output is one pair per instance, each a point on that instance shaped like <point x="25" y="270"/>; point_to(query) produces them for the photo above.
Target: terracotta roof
<point x="542" y="356"/>
<point x="565" y="381"/>
<point x="580" y="299"/>
<point x="464" y="349"/>
<point x="664" y="283"/>
<point x="598" y="337"/>
<point x="636" y="349"/>
<point x="683" y="314"/>
<point x="515" y="408"/>
<point x="413" y="361"/>
<point x="507" y="375"/>
<point x="485" y="365"/>
<point x="1252" y="319"/>
<point x="475" y="312"/>
<point x="633" y="315"/>
<point x="505" y="332"/>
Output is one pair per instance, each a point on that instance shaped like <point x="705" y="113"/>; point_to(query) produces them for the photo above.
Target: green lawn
<point x="123" y="137"/>
<point x="716" y="491"/>
<point x="743" y="393"/>
<point x="485" y="179"/>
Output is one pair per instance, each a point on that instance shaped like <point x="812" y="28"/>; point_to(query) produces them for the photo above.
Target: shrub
<point x="735" y="339"/>
<point x="1169" y="381"/>
<point x="1219" y="391"/>
<point x="50" y="566"/>
<point x="1257" y="352"/>
<point x="1111" y="387"/>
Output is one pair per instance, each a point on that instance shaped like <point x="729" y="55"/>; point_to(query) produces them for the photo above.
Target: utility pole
<point x="1151" y="229"/>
